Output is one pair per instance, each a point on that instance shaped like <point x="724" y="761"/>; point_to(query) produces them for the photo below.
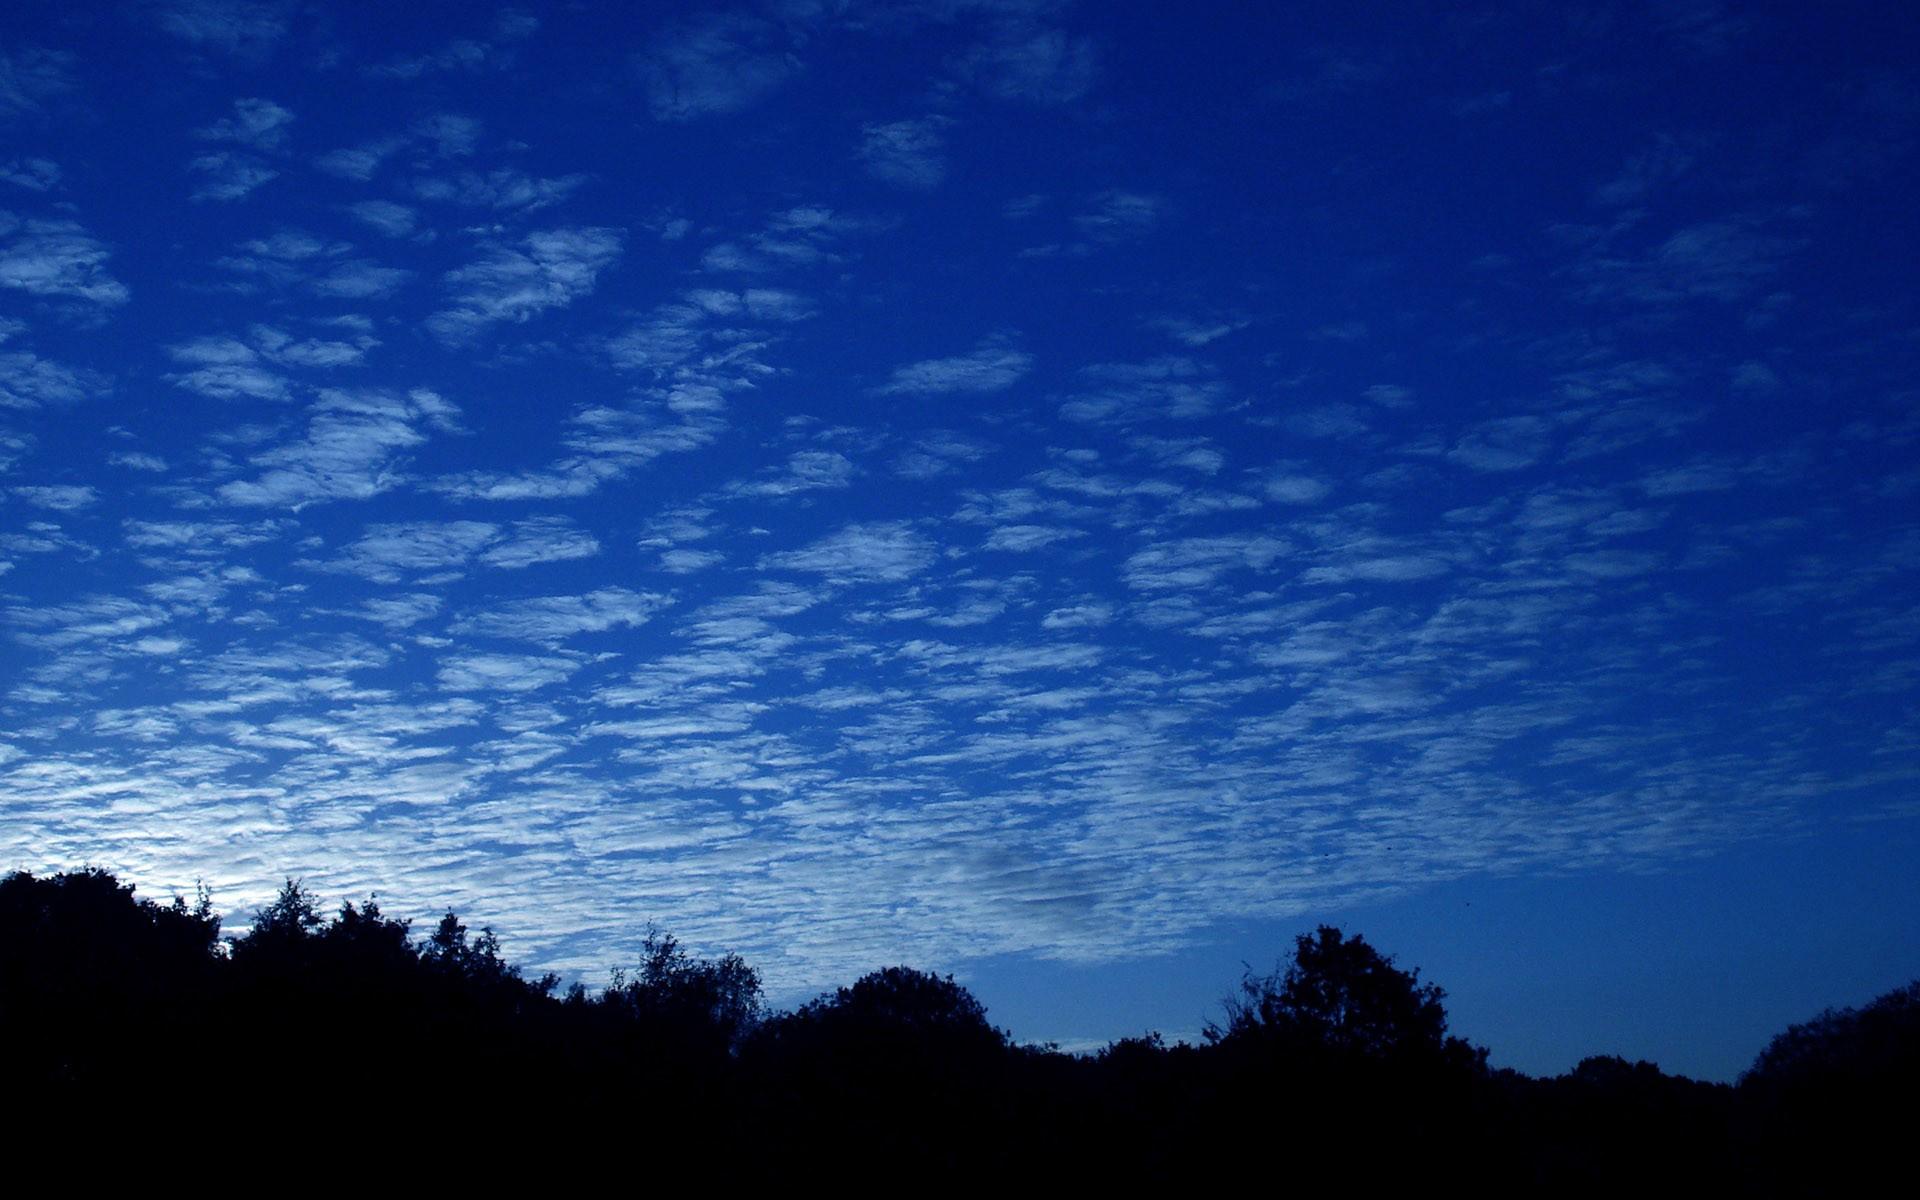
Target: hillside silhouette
<point x="354" y="1036"/>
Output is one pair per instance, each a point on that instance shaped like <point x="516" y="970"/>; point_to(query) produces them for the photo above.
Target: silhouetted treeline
<point x="357" y="1037"/>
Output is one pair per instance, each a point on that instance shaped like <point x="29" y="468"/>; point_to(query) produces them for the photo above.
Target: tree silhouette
<point x="1338" y="994"/>
<point x="1830" y="1102"/>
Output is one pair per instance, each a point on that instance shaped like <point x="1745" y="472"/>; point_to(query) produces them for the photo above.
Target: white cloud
<point x="255" y="123"/>
<point x="556" y="618"/>
<point x="245" y="29"/>
<point x="909" y="154"/>
<point x="994" y="367"/>
<point x="504" y="672"/>
<point x="713" y="64"/>
<point x="33" y="174"/>
<point x="56" y="258"/>
<point x="545" y="270"/>
<point x="390" y="218"/>
<point x="351" y="450"/>
<point x="1021" y="60"/>
<point x="874" y="552"/>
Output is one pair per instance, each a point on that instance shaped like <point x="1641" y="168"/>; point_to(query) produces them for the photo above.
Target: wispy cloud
<point x="994" y="367"/>
<point x="515" y="283"/>
<point x="351" y="450"/>
<point x="58" y="259"/>
<point x="713" y="64"/>
<point x="874" y="552"/>
<point x="242" y="29"/>
<point x="908" y="154"/>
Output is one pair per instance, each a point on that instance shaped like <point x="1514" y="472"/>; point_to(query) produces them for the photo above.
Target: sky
<point x="1071" y="495"/>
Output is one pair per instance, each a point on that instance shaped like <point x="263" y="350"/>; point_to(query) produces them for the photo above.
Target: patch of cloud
<point x="553" y="619"/>
<point x="1503" y="444"/>
<point x="868" y="552"/>
<point x="226" y="175"/>
<point x="134" y="460"/>
<point x="1171" y="387"/>
<point x="713" y="64"/>
<point x="515" y="283"/>
<point x="242" y="29"/>
<point x="1197" y="562"/>
<point x="496" y="673"/>
<point x="1022" y="59"/>
<point x="1119" y="216"/>
<point x="230" y="368"/>
<point x="994" y="367"/>
<point x="33" y="174"/>
<point x="58" y="497"/>
<point x="388" y="217"/>
<point x="30" y="75"/>
<point x="804" y="471"/>
<point x="28" y="381"/>
<point x="504" y="188"/>
<point x="361" y="279"/>
<point x="801" y="236"/>
<point x="351" y="450"/>
<point x="257" y="124"/>
<point x="1197" y="333"/>
<point x="359" y="163"/>
<point x="1726" y="261"/>
<point x="909" y="154"/>
<point x="56" y="259"/>
<point x="1025" y="539"/>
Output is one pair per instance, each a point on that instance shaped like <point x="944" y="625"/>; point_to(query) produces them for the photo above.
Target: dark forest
<point x="356" y="1034"/>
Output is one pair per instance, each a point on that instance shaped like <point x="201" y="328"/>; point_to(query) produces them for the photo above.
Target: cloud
<point x="33" y="174"/>
<point x="28" y="381"/>
<point x="872" y="552"/>
<point x="553" y="619"/>
<point x="504" y="672"/>
<point x="30" y="75"/>
<point x="360" y="279"/>
<point x="805" y="471"/>
<point x="545" y="270"/>
<point x="1021" y="60"/>
<point x="387" y="553"/>
<point x="1118" y="216"/>
<point x="255" y="123"/>
<point x="1201" y="561"/>
<point x="540" y="540"/>
<point x="1024" y="539"/>
<point x="390" y="218"/>
<point x="1290" y="487"/>
<point x="505" y="188"/>
<point x="351" y="450"/>
<point x="1170" y="387"/>
<point x="244" y="30"/>
<point x="1724" y="260"/>
<point x="908" y="154"/>
<point x="361" y="162"/>
<point x="994" y="367"/>
<point x="60" y="498"/>
<point x="228" y="368"/>
<point x="713" y="64"/>
<point x="1503" y="444"/>
<point x="227" y="176"/>
<point x="58" y="259"/>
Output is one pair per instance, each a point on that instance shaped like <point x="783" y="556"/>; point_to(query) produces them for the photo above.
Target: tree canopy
<point x="1337" y="994"/>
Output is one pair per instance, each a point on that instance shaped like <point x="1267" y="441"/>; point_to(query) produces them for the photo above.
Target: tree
<point x="707" y="1004"/>
<point x="1338" y="994"/>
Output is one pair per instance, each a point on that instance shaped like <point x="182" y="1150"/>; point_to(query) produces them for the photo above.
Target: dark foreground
<point x="349" y="1044"/>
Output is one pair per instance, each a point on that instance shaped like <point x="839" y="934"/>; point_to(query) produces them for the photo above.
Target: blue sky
<point x="1070" y="495"/>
